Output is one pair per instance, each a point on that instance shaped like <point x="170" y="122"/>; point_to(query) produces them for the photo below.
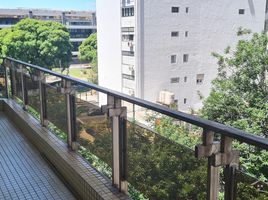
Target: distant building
<point x="79" y="23"/>
<point x="161" y="50"/>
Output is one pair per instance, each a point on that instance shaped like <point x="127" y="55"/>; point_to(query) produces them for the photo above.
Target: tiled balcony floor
<point x="24" y="174"/>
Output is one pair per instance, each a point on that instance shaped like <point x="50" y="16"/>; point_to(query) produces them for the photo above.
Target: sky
<point x="50" y="4"/>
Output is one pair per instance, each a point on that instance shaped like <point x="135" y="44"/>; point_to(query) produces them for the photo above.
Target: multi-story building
<point x="161" y="50"/>
<point x="79" y="23"/>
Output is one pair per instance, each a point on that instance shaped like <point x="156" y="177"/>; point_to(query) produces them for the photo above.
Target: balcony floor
<point x="24" y="174"/>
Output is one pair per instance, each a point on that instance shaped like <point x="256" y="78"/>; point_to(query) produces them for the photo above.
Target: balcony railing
<point x="152" y="157"/>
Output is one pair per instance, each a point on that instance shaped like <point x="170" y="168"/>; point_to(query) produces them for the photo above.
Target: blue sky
<point x="51" y="4"/>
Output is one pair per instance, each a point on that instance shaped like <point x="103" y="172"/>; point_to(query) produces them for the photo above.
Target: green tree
<point x="88" y="52"/>
<point x="239" y="96"/>
<point x="38" y="42"/>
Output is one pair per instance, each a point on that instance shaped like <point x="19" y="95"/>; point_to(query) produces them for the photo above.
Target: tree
<point x="239" y="97"/>
<point x="46" y="44"/>
<point x="88" y="52"/>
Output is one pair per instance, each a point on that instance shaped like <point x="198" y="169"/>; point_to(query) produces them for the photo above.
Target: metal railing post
<point x="71" y="114"/>
<point x="13" y="80"/>
<point x="206" y="149"/>
<point x="42" y="98"/>
<point x="118" y="114"/>
<point x="228" y="158"/>
<point x="23" y="88"/>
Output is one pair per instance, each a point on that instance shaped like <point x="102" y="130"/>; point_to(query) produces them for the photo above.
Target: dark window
<point x="241" y="11"/>
<point x="173" y="58"/>
<point x="200" y="78"/>
<point x="128" y="12"/>
<point x="184" y="100"/>
<point x="175" y="80"/>
<point x="185" y="79"/>
<point x="129" y="77"/>
<point x="187" y="9"/>
<point x="128" y="53"/>
<point x="186" y="33"/>
<point x="185" y="57"/>
<point x="174" y="9"/>
<point x="174" y="34"/>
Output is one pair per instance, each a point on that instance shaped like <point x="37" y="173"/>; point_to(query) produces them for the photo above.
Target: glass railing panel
<point x="32" y="87"/>
<point x="18" y="86"/>
<point x="56" y="110"/>
<point x="250" y="188"/>
<point x="3" y="92"/>
<point x="159" y="165"/>
<point x="94" y="129"/>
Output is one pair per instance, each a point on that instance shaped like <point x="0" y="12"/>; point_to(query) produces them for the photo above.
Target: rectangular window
<point x="186" y="33"/>
<point x="185" y="79"/>
<point x="187" y="9"/>
<point x="129" y="77"/>
<point x="241" y="11"/>
<point x="185" y="57"/>
<point x="184" y="100"/>
<point x="173" y="58"/>
<point x="127" y="29"/>
<point x="199" y="79"/>
<point x="174" y="9"/>
<point x="128" y="53"/>
<point x="175" y="80"/>
<point x="174" y="34"/>
<point x="128" y="12"/>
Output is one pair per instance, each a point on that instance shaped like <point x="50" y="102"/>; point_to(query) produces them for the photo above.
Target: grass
<point x="77" y="73"/>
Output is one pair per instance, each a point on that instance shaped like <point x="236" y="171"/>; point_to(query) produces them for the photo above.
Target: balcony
<point x="111" y="146"/>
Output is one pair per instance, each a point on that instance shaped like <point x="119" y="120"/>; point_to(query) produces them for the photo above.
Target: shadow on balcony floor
<point x="24" y="174"/>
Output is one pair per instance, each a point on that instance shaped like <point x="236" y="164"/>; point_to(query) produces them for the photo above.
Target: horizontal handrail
<point x="225" y="130"/>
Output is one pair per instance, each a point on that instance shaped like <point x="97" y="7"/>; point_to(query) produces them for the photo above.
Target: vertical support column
<point x="71" y="114"/>
<point x="6" y="81"/>
<point x="42" y="98"/>
<point x="228" y="158"/>
<point x="230" y="168"/>
<point x="13" y="79"/>
<point x="118" y="118"/>
<point x="206" y="149"/>
<point x="23" y="88"/>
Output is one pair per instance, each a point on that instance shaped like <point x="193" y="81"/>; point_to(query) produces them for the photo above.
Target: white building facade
<point x="161" y="50"/>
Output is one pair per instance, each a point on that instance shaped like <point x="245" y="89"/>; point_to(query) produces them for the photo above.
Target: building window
<point x="187" y="9"/>
<point x="128" y="53"/>
<point x="241" y="11"/>
<point x="186" y="33"/>
<point x="174" y="34"/>
<point x="174" y="9"/>
<point x="127" y="38"/>
<point x="128" y="12"/>
<point x="199" y="79"/>
<point x="184" y="100"/>
<point x="175" y="80"/>
<point x="129" y="77"/>
<point x="173" y="58"/>
<point x="185" y="79"/>
<point x="127" y="29"/>
<point x="185" y="57"/>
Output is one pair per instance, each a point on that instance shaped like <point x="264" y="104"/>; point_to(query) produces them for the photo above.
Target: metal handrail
<point x="225" y="130"/>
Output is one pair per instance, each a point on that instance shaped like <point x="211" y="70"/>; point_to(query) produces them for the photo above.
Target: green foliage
<point x="239" y="98"/>
<point x="88" y="52"/>
<point x="239" y="95"/>
<point x="38" y="42"/>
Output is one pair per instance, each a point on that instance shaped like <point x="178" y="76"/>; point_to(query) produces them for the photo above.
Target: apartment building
<point x="161" y="50"/>
<point x="79" y="23"/>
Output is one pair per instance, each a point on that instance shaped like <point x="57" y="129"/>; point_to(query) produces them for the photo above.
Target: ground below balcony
<point x="24" y="174"/>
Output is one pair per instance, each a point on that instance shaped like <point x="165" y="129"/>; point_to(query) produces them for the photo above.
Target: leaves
<point x="42" y="43"/>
